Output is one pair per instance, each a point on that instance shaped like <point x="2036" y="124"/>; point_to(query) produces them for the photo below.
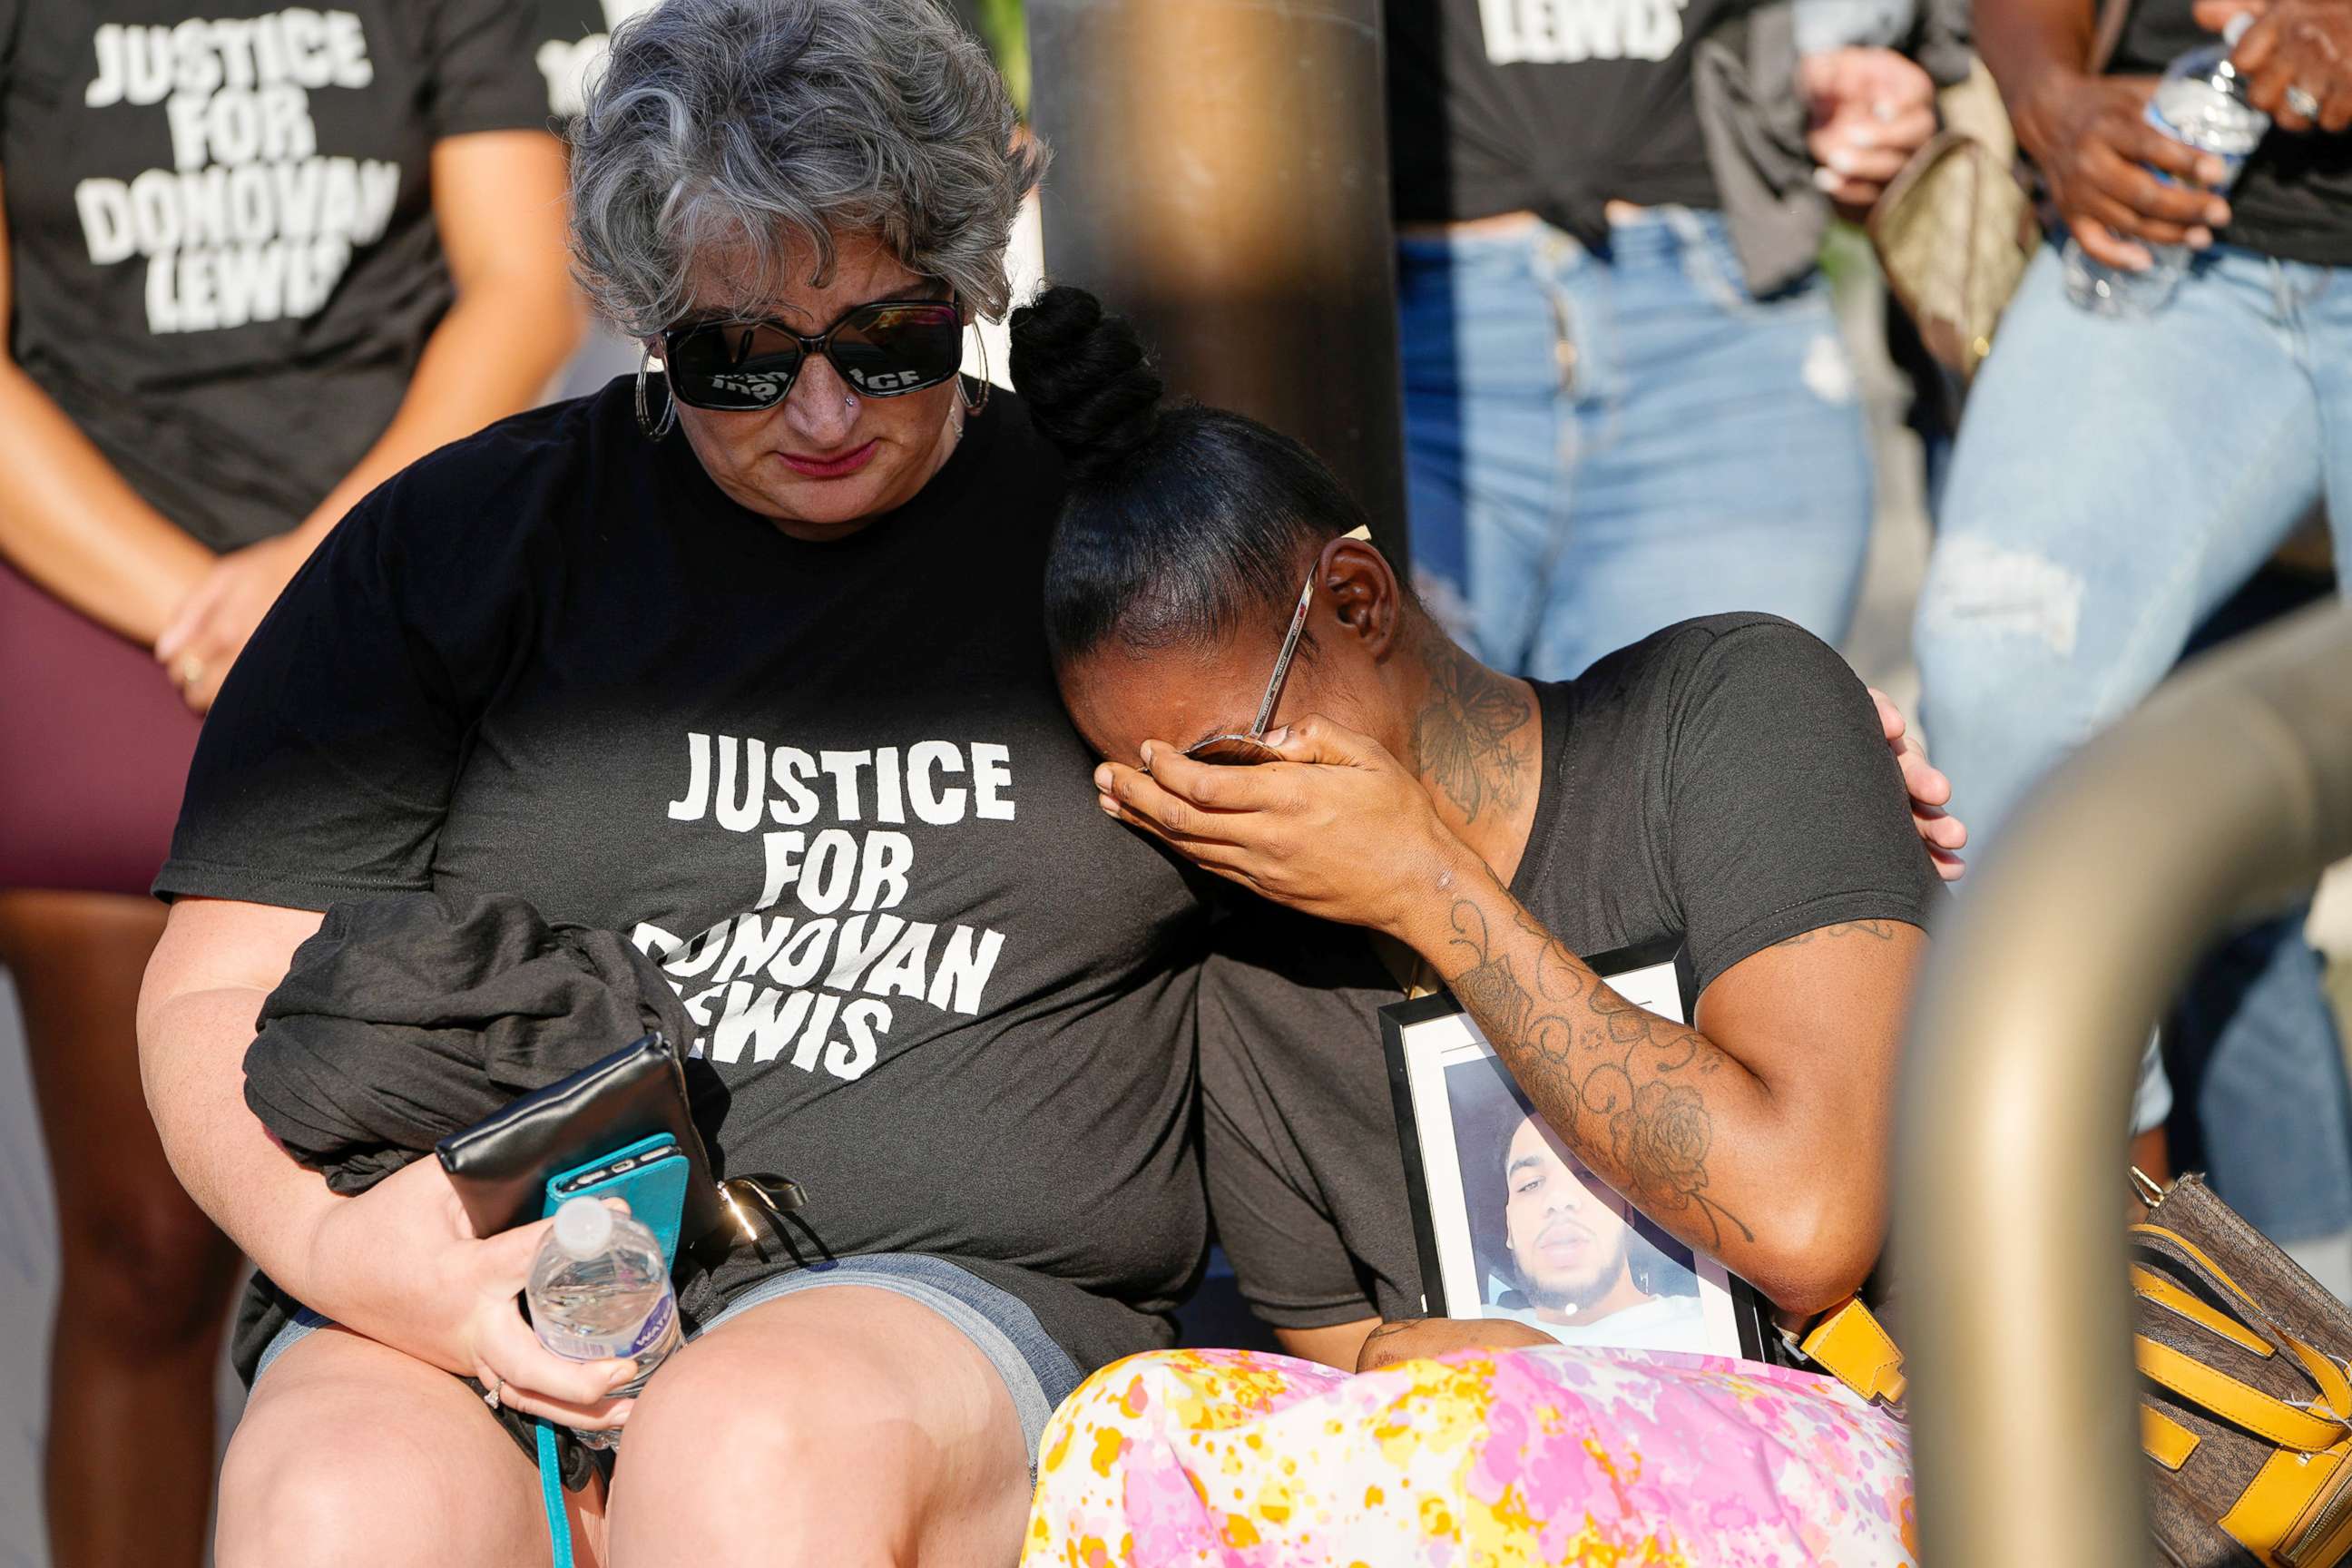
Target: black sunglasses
<point x="885" y="348"/>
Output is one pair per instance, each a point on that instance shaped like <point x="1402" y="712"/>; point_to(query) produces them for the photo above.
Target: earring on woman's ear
<point x="652" y="430"/>
<point x="970" y="404"/>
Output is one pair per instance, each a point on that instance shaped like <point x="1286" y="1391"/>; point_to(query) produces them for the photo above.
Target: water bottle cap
<point x="2235" y="28"/>
<point x="583" y="1227"/>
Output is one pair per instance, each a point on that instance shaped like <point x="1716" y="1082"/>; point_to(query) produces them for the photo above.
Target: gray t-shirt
<point x="1723" y="783"/>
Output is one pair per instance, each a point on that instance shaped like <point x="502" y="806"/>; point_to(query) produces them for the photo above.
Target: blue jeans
<point x="1600" y="445"/>
<point x="2113" y="483"/>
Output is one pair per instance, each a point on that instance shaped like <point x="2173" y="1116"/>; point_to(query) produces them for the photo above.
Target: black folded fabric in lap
<point x="402" y="1020"/>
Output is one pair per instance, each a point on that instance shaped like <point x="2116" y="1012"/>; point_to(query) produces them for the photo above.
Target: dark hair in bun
<point x="1182" y="524"/>
<point x="1086" y="378"/>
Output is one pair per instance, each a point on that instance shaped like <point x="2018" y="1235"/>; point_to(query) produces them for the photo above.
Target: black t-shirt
<point x="571" y="45"/>
<point x="2293" y="198"/>
<point x="221" y="230"/>
<point x="830" y="785"/>
<point x="1556" y="106"/>
<point x="1723" y="781"/>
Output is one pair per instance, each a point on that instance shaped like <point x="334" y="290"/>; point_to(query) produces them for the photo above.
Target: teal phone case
<point x="650" y="1175"/>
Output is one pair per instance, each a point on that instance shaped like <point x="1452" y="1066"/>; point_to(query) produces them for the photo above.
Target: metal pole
<point x="2229" y="790"/>
<point x="1221" y="175"/>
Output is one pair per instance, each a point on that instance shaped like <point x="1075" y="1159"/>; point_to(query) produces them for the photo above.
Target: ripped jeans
<point x="2113" y="483"/>
<point x="1600" y="446"/>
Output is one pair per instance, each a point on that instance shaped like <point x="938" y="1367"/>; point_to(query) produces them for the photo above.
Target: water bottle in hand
<point x="2201" y="100"/>
<point x="600" y="1292"/>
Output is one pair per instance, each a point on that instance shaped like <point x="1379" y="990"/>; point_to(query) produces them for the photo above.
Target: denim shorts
<point x="1037" y="1372"/>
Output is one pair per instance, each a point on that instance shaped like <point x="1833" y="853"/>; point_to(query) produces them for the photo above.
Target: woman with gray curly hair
<point x="743" y="659"/>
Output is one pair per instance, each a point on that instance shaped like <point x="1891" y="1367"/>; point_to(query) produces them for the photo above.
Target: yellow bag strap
<point x="2335" y="1392"/>
<point x="2154" y="1287"/>
<point x="2163" y="1439"/>
<point x="2240" y="1404"/>
<point x="1849" y="1344"/>
<point x="2326" y="1375"/>
<point x="2196" y="1255"/>
<point x="2293" y="1511"/>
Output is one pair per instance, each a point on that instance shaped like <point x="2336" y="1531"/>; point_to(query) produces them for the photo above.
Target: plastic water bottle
<point x="600" y="1292"/>
<point x="2200" y="102"/>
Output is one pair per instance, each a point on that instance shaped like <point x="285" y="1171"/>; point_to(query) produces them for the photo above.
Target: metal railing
<point x="2227" y="792"/>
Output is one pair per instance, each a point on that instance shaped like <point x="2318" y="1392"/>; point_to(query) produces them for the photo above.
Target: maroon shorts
<point x="94" y="749"/>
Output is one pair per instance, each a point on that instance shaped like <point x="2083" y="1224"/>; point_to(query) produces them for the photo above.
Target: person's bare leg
<point x="846" y="1425"/>
<point x="352" y="1453"/>
<point x="144" y="1278"/>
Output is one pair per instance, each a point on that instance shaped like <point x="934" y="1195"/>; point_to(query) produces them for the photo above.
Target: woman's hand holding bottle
<point x="401" y="1265"/>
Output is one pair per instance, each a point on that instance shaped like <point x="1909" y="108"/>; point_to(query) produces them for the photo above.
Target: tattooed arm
<point x="1759" y="1136"/>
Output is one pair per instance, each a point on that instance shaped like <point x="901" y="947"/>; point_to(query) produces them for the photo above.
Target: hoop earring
<point x="653" y="431"/>
<point x="971" y="406"/>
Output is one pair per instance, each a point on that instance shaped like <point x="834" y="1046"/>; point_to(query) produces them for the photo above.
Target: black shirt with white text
<point x="220" y="228"/>
<point x="1553" y="106"/>
<point x="829" y="787"/>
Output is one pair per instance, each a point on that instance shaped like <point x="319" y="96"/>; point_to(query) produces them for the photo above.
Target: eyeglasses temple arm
<point x="1282" y="660"/>
<point x="1290" y="642"/>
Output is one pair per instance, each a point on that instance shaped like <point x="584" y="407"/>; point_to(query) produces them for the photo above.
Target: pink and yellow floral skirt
<point x="1480" y="1459"/>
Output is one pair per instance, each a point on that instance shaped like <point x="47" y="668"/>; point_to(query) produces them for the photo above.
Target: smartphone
<point x="650" y="1175"/>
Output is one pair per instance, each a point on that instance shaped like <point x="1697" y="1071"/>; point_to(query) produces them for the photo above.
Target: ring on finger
<point x="2300" y="100"/>
<point x="189" y="671"/>
<point x="491" y="1394"/>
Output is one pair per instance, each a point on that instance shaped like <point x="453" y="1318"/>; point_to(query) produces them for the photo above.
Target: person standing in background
<point x="2116" y="479"/>
<point x="1626" y="400"/>
<point x="250" y="268"/>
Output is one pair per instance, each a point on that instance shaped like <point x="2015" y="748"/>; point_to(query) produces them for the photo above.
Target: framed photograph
<point x="1511" y="1225"/>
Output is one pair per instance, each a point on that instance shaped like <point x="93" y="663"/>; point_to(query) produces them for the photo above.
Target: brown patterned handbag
<point x="2245" y="1406"/>
<point x="2245" y="1402"/>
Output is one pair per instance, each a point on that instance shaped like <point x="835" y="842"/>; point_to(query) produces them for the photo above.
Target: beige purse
<point x="1954" y="232"/>
<point x="1956" y="228"/>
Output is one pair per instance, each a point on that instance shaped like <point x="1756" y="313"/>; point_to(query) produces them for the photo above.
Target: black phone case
<point x="500" y="1165"/>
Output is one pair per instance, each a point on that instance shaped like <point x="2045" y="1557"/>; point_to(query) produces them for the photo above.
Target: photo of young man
<point x="1574" y="1265"/>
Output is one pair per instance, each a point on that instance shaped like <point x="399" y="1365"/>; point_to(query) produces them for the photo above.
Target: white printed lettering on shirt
<point x="250" y="224"/>
<point x="765" y="979"/>
<point x="1570" y="31"/>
